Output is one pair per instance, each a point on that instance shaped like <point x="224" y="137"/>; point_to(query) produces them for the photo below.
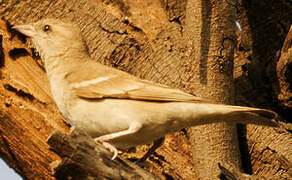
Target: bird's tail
<point x="248" y="115"/>
<point x="212" y="113"/>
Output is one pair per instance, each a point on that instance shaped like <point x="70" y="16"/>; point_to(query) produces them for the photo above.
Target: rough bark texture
<point x="83" y="158"/>
<point x="284" y="73"/>
<point x="147" y="39"/>
<point x="211" y="26"/>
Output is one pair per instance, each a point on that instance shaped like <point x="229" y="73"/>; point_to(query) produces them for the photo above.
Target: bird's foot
<point x="110" y="147"/>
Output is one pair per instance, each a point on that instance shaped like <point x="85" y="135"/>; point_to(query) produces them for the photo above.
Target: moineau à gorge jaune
<point x="117" y="109"/>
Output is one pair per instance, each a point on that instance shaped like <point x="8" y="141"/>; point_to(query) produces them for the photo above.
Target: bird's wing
<point x="97" y="81"/>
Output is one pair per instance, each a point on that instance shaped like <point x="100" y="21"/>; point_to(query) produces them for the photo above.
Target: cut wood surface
<point x="150" y="43"/>
<point x="83" y="158"/>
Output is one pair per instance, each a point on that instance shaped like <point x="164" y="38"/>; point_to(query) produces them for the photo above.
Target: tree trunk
<point x="146" y="38"/>
<point x="211" y="24"/>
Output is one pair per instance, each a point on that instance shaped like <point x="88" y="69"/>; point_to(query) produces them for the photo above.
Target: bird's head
<point x="52" y="37"/>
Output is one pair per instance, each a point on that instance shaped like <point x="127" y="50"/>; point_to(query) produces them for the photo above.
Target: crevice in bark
<point x="133" y="27"/>
<point x="22" y="94"/>
<point x="2" y="56"/>
<point x="18" y="52"/>
<point x="243" y="147"/>
<point x="19" y="92"/>
<point x="112" y="31"/>
<point x="205" y="40"/>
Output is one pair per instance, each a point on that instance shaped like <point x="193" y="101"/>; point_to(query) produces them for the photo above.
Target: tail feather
<point x="212" y="113"/>
<point x="248" y="115"/>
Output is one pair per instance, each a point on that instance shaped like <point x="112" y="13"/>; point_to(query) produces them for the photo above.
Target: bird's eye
<point x="46" y="28"/>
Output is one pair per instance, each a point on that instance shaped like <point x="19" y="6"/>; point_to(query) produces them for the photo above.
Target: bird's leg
<point x="156" y="144"/>
<point x="133" y="128"/>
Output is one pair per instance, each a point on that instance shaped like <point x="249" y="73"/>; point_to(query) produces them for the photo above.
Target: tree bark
<point x="83" y="158"/>
<point x="284" y="73"/>
<point x="211" y="24"/>
<point x="146" y="39"/>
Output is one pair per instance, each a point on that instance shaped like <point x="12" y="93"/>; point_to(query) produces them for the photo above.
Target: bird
<point x="117" y="109"/>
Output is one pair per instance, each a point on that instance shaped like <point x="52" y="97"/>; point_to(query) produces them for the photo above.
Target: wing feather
<point x="96" y="81"/>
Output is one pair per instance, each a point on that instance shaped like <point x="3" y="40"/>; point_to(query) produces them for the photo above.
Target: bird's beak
<point x="26" y="29"/>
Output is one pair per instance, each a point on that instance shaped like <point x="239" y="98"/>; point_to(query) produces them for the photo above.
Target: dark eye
<point x="47" y="28"/>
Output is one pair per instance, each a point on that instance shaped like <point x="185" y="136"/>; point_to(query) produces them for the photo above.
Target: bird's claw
<point x="110" y="147"/>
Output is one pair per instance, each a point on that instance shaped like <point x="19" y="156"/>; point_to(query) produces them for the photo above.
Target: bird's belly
<point x="111" y="116"/>
<point x="143" y="136"/>
<point x="97" y="118"/>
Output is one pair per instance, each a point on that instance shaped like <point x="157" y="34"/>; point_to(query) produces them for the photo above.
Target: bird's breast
<point x="62" y="95"/>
